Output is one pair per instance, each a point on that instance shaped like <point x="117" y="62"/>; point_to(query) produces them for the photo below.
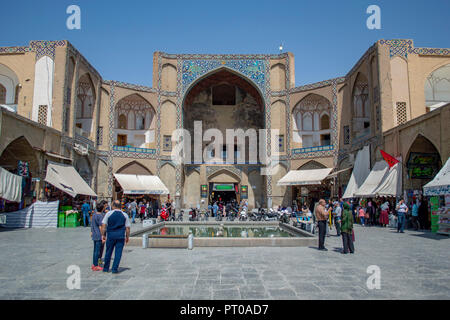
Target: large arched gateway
<point x="214" y="105"/>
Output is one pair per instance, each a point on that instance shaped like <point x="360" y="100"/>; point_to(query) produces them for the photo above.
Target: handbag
<point x="353" y="235"/>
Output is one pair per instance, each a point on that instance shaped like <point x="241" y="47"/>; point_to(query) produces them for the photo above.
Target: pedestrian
<point x="423" y="214"/>
<point x="215" y="208"/>
<point x="347" y="230"/>
<point x="402" y="210"/>
<point x="133" y="208"/>
<point x="384" y="216"/>
<point x="116" y="233"/>
<point x="337" y="217"/>
<point x="96" y="235"/>
<point x="353" y="208"/>
<point x="415" y="215"/>
<point x="322" y="217"/>
<point x="86" y="210"/>
<point x="361" y="215"/>
<point x="142" y="209"/>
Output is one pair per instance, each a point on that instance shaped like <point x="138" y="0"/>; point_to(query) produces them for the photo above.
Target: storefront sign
<point x="223" y="187"/>
<point x="423" y="165"/>
<point x="244" y="192"/>
<point x="204" y="191"/>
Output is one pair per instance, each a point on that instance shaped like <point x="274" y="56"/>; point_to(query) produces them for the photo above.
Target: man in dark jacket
<point x="115" y="232"/>
<point x="347" y="229"/>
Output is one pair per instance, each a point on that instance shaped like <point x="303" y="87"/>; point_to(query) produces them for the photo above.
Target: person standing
<point x="347" y="230"/>
<point x="322" y="217"/>
<point x="86" y="210"/>
<point x="215" y="208"/>
<point x="361" y="215"/>
<point x="116" y="233"/>
<point x="96" y="235"/>
<point x="133" y="208"/>
<point x="337" y="217"/>
<point x="384" y="216"/>
<point x="402" y="210"/>
<point x="415" y="215"/>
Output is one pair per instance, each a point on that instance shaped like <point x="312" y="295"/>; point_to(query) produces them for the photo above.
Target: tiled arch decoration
<point x="191" y="68"/>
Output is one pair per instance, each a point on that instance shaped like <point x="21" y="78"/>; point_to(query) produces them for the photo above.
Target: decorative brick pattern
<point x="401" y="113"/>
<point x="42" y="114"/>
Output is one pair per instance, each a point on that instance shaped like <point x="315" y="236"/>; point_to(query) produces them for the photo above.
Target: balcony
<point x="312" y="149"/>
<point x="134" y="149"/>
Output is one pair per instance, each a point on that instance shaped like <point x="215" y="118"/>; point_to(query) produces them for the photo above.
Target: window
<point x="325" y="122"/>
<point x="401" y="113"/>
<point x="307" y="124"/>
<point x="224" y="95"/>
<point x="325" y="140"/>
<point x="167" y="143"/>
<point x="281" y="143"/>
<point x="122" y="121"/>
<point x="140" y="122"/>
<point x="121" y="140"/>
<point x="307" y="141"/>
<point x="2" y="94"/>
<point x="346" y="135"/>
<point x="99" y="136"/>
<point x="42" y="115"/>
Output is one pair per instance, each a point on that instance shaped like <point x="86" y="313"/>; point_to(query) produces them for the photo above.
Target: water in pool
<point x="224" y="231"/>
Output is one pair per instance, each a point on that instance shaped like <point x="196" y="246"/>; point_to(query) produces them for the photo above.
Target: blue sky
<point x="327" y="37"/>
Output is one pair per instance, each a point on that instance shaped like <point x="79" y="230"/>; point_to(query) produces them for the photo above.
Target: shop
<point x="63" y="183"/>
<point x="142" y="188"/>
<point x="308" y="186"/>
<point x="439" y="192"/>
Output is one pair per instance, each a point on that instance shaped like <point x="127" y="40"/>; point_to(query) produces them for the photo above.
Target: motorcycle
<point x="180" y="216"/>
<point x="243" y="216"/>
<point x="193" y="216"/>
<point x="271" y="215"/>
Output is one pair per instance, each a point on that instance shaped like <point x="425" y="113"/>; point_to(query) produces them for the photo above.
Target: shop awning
<point x="360" y="172"/>
<point x="141" y="184"/>
<point x="374" y="179"/>
<point x="335" y="174"/>
<point x="391" y="186"/>
<point x="440" y="185"/>
<point x="66" y="178"/>
<point x="304" y="177"/>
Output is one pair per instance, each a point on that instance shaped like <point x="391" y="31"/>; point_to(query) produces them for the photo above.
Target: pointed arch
<point x="437" y="86"/>
<point x="225" y="172"/>
<point x="134" y="167"/>
<point x="312" y="164"/>
<point x="20" y="149"/>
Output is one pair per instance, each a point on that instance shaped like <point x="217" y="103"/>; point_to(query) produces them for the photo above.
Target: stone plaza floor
<point x="414" y="265"/>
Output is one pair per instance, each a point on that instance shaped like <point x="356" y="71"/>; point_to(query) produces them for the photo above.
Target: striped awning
<point x="141" y="184"/>
<point x="304" y="177"/>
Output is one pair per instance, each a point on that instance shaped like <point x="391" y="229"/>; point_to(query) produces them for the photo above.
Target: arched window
<point x="437" y="87"/>
<point x="324" y="122"/>
<point x="2" y="94"/>
<point x="361" y="106"/>
<point x="122" y="121"/>
<point x="140" y="122"/>
<point x="307" y="123"/>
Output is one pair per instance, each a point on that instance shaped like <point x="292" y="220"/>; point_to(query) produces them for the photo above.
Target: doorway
<point x="223" y="192"/>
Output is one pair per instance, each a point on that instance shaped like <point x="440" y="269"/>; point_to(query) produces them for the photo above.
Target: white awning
<point x="304" y="177"/>
<point x="335" y="174"/>
<point x="10" y="186"/>
<point x="66" y="178"/>
<point x="392" y="184"/>
<point x="376" y="176"/>
<point x="360" y="172"/>
<point x="440" y="185"/>
<point x="141" y="184"/>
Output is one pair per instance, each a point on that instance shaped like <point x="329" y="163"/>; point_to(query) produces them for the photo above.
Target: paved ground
<point x="414" y="265"/>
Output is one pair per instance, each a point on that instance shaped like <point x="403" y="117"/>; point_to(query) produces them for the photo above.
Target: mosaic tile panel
<point x="112" y="104"/>
<point x="19" y="49"/>
<point x="46" y="48"/>
<point x="252" y="69"/>
<point x="398" y="47"/>
<point x="210" y="170"/>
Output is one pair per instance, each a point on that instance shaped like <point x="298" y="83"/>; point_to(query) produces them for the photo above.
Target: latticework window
<point x="346" y="135"/>
<point x="401" y="113"/>
<point x="42" y="115"/>
<point x="167" y="143"/>
<point x="99" y="136"/>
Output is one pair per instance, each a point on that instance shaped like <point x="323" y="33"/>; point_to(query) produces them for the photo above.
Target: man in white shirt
<point x="402" y="209"/>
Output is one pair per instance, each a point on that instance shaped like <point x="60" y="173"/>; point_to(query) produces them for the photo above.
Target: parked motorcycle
<point x="193" y="215"/>
<point x="180" y="216"/>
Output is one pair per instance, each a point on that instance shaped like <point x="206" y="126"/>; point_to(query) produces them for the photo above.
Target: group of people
<point x="146" y="209"/>
<point x="225" y="208"/>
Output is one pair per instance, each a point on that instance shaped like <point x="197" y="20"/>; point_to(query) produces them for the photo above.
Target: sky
<point x="326" y="37"/>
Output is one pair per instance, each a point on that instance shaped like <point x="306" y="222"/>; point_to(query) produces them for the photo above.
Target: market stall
<point x="439" y="190"/>
<point x="66" y="184"/>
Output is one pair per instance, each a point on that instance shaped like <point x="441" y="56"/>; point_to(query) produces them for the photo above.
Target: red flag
<point x="389" y="159"/>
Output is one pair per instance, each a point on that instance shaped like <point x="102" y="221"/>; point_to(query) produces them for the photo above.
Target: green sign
<point x="223" y="187"/>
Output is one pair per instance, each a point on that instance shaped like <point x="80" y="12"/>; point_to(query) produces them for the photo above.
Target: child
<point x="361" y="215"/>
